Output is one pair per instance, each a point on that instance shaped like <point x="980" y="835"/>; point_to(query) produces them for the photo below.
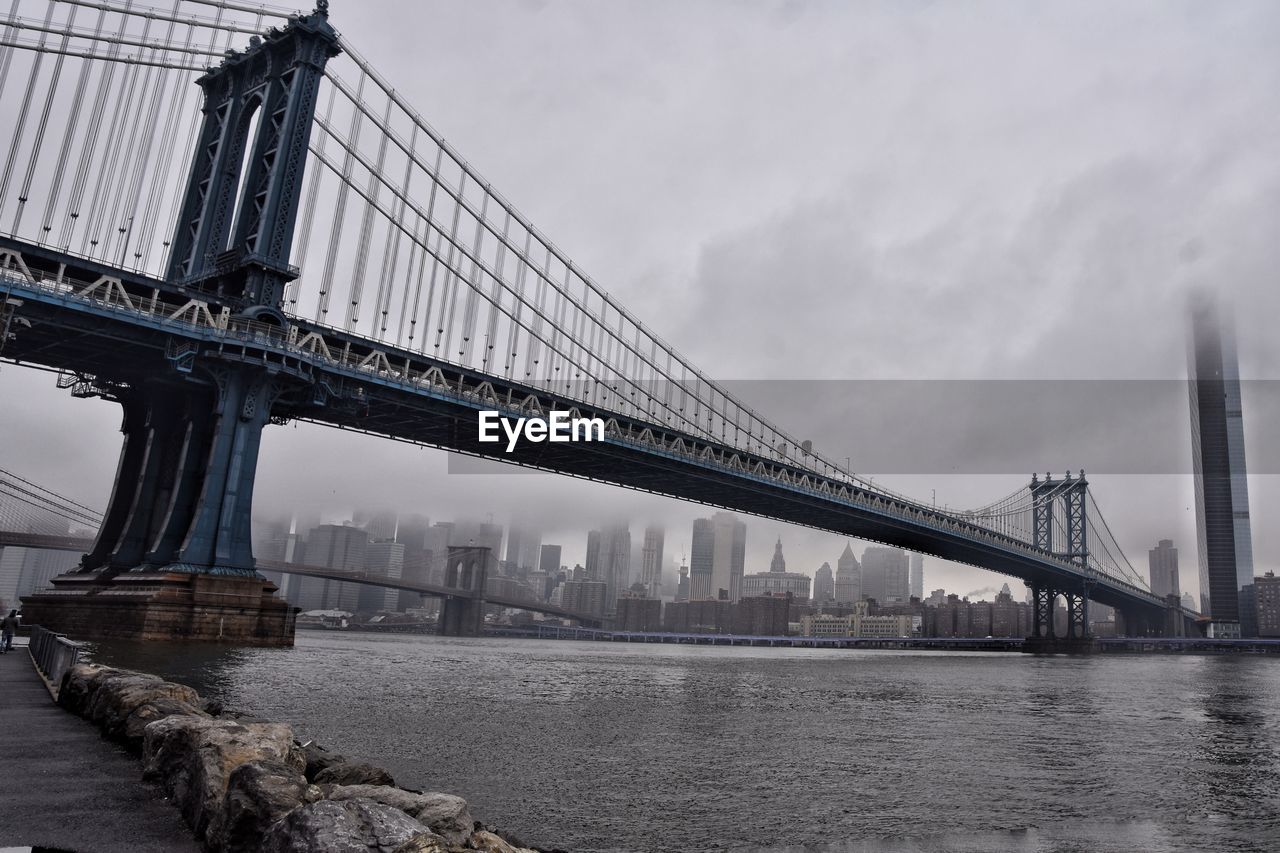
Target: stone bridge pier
<point x="462" y="615"/>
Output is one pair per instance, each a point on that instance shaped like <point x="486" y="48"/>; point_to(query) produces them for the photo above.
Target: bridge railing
<point x="53" y="653"/>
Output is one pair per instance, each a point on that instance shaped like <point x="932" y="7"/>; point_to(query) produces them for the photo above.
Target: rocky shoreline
<point x="245" y="785"/>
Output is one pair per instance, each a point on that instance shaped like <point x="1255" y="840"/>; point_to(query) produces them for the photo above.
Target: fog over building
<point x="523" y="547"/>
<point x="1221" y="487"/>
<point x="885" y="575"/>
<point x="917" y="576"/>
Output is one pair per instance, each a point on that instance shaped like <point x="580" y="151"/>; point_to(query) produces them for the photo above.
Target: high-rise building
<point x="1267" y="595"/>
<point x="651" y="561"/>
<point x="334" y="546"/>
<point x="584" y="596"/>
<point x="848" y="577"/>
<point x="1222" y="491"/>
<point x="523" y="545"/>
<point x="379" y="524"/>
<point x="1162" y="565"/>
<point x="549" y="559"/>
<point x="412" y="532"/>
<point x="730" y="556"/>
<point x="718" y="558"/>
<point x="701" y="558"/>
<point x="609" y="559"/>
<point x="682" y="584"/>
<point x="824" y="585"/>
<point x="886" y="575"/>
<point x="1189" y="602"/>
<point x="384" y="558"/>
<point x="917" y="576"/>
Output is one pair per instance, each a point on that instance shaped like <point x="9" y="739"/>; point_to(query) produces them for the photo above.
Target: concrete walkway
<point x="63" y="786"/>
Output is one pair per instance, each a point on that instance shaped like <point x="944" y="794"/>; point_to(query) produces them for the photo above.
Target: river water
<point x="616" y="747"/>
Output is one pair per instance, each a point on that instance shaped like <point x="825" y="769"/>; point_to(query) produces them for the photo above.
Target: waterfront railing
<point x="53" y="653"/>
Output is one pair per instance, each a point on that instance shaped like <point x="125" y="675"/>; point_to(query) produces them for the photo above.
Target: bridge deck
<point x="63" y="786"/>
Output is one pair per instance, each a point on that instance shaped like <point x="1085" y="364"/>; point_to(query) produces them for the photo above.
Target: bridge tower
<point x="1066" y="500"/>
<point x="462" y="615"/>
<point x="175" y="542"/>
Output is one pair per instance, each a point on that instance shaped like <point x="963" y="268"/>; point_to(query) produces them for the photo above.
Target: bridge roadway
<point x="112" y="326"/>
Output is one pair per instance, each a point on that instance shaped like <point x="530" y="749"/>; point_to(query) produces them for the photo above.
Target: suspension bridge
<point x="220" y="216"/>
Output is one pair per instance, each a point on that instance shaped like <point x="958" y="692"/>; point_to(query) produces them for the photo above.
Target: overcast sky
<point x="838" y="191"/>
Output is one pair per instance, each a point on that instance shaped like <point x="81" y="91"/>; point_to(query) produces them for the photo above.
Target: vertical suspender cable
<point x="69" y="137"/>
<point x="43" y="125"/>
<point x="20" y="125"/>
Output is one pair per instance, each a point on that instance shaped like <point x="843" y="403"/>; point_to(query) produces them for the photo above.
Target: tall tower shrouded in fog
<point x="1222" y="490"/>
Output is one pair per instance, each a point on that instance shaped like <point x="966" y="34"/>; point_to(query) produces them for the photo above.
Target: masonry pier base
<point x="173" y="606"/>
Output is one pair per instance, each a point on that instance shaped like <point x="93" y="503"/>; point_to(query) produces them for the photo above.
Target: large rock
<point x="150" y="711"/>
<point x="353" y="773"/>
<point x="426" y="843"/>
<point x="118" y="695"/>
<point x="192" y="759"/>
<point x="348" y="826"/>
<point x="259" y="793"/>
<point x="444" y="814"/>
<point x="80" y="683"/>
<point x="319" y="758"/>
<point x="491" y="842"/>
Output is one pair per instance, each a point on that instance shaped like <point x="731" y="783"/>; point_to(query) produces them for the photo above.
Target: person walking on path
<point x="7" y="629"/>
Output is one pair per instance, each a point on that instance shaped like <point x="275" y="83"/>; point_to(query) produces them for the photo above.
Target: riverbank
<point x="243" y="784"/>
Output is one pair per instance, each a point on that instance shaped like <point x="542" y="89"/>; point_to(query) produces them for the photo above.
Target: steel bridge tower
<point x="174" y="548"/>
<point x="1064" y="501"/>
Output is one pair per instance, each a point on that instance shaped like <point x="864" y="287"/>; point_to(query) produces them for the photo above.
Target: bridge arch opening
<point x="247" y="134"/>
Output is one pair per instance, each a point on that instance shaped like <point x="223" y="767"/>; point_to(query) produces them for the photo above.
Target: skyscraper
<point x="885" y="575"/>
<point x="718" y="557"/>
<point x="609" y="559"/>
<point x="334" y="546"/>
<point x="1162" y="564"/>
<point x="730" y="556"/>
<point x="651" y="561"/>
<point x="701" y="556"/>
<point x="523" y="545"/>
<point x="917" y="576"/>
<point x="384" y="558"/>
<point x="1222" y="491"/>
<point x="549" y="559"/>
<point x="824" y="585"/>
<point x="848" y="577"/>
